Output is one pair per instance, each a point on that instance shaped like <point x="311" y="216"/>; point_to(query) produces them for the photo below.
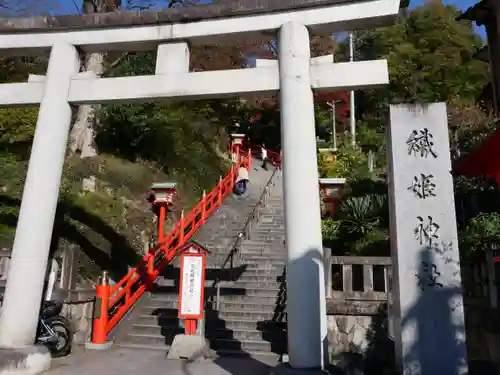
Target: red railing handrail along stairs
<point x="114" y="301"/>
<point x="273" y="157"/>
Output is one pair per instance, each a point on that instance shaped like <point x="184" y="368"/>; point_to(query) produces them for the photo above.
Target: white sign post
<point x="192" y="286"/>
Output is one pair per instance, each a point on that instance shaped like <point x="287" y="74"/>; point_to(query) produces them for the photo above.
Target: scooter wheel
<point x="62" y="328"/>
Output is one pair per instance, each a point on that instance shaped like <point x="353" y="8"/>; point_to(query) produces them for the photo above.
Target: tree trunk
<point x="82" y="136"/>
<point x="83" y="132"/>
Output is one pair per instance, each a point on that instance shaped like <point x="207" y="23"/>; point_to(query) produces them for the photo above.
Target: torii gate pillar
<point x="30" y="252"/>
<point x="306" y="303"/>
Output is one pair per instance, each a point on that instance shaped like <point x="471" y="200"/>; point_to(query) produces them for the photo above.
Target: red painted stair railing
<point x="113" y="302"/>
<point x="273" y="157"/>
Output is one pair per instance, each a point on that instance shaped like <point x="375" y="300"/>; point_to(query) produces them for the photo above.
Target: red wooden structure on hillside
<point x="484" y="161"/>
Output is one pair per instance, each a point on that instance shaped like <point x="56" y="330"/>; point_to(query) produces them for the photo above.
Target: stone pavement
<point x="124" y="361"/>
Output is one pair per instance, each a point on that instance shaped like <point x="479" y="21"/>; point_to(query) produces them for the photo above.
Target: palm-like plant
<point x="361" y="215"/>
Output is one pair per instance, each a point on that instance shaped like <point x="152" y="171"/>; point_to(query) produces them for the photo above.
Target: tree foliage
<point x="430" y="57"/>
<point x="481" y="234"/>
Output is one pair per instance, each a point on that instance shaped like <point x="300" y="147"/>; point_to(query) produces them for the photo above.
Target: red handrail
<point x="116" y="300"/>
<point x="273" y="157"/>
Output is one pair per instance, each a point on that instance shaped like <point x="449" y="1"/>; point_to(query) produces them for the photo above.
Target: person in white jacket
<point x="263" y="155"/>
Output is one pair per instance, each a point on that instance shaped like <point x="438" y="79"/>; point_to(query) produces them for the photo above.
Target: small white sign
<point x="191" y="288"/>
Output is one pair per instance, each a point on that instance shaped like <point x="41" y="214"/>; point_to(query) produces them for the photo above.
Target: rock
<point x="89" y="184"/>
<point x="26" y="361"/>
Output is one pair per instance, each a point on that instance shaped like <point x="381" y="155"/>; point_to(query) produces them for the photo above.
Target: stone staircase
<point x="255" y="321"/>
<point x="247" y="317"/>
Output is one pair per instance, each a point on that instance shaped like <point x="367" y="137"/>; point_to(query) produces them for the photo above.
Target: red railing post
<point x="151" y="264"/>
<point x="190" y="326"/>
<point x="161" y="223"/>
<point x="249" y="161"/>
<point x="219" y="197"/>
<point x="204" y="208"/>
<point x="232" y="172"/>
<point x="182" y="228"/>
<point x="102" y="294"/>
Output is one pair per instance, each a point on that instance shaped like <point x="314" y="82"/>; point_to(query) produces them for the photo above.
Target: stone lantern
<point x="236" y="144"/>
<point x="333" y="189"/>
<point x="163" y="194"/>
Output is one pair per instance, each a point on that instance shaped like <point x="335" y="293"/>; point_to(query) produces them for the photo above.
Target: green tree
<point x="430" y="58"/>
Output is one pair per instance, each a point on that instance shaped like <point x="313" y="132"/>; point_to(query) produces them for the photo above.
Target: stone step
<point x="275" y="344"/>
<point x="256" y="284"/>
<point x="223" y="347"/>
<point x="247" y="305"/>
<point x="248" y="346"/>
<point x="226" y="312"/>
<point x="216" y="323"/>
<point x="273" y="220"/>
<point x="271" y="284"/>
<point x="255" y="277"/>
<point x="263" y="242"/>
<point x="265" y="357"/>
<point x="274" y="252"/>
<point x="263" y="269"/>
<point x="254" y="315"/>
<point x="156" y="330"/>
<point x="270" y="253"/>
<point x="236" y="333"/>
<point x="247" y="335"/>
<point x="164" y="321"/>
<point x="149" y="347"/>
<point x="266" y="299"/>
<point x="259" y="230"/>
<point x="259" y="244"/>
<point x="257" y="258"/>
<point x="153" y="340"/>
<point x="238" y="303"/>
<point x="225" y="293"/>
<point x="171" y="286"/>
<point x="270" y="230"/>
<point x="268" y="265"/>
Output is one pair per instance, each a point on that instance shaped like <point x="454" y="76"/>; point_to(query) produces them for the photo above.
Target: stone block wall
<point x="365" y="333"/>
<point x="79" y="311"/>
<point x="348" y="333"/>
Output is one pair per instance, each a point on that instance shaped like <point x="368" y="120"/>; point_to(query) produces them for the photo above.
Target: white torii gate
<point x="295" y="75"/>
